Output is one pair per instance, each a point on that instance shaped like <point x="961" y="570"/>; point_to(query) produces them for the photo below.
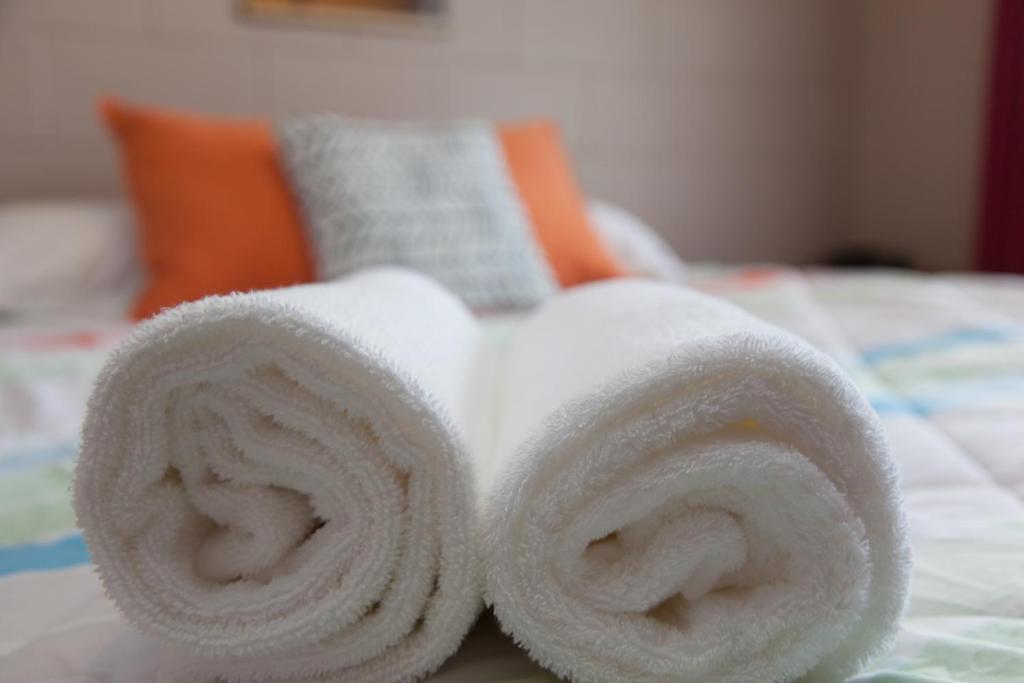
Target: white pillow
<point x="60" y="253"/>
<point x="633" y="243"/>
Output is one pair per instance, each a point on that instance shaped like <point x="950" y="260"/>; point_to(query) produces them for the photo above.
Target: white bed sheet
<point x="940" y="357"/>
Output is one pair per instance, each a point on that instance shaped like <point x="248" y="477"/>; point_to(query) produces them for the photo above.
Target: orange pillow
<point x="214" y="212"/>
<point x="544" y="178"/>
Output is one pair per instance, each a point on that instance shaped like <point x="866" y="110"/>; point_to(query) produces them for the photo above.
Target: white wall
<point x="742" y="129"/>
<point x="922" y="106"/>
<point x="716" y="120"/>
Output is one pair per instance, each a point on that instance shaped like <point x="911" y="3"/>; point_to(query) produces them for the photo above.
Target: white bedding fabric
<point x="940" y="357"/>
<point x="61" y="255"/>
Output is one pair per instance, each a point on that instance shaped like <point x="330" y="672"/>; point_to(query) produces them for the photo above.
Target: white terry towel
<point x="277" y="481"/>
<point x="681" y="492"/>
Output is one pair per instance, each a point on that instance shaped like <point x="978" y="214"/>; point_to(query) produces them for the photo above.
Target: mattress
<point x="941" y="358"/>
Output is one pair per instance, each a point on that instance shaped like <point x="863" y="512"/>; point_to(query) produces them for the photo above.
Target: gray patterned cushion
<point x="437" y="199"/>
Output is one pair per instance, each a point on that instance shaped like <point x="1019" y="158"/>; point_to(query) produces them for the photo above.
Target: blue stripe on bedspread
<point x="926" y="391"/>
<point x="955" y="395"/>
<point x="944" y="341"/>
<point x="64" y="552"/>
<point x="894" y="405"/>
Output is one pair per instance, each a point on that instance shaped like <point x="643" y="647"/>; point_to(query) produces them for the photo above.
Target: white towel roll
<point x="681" y="492"/>
<point x="278" y="482"/>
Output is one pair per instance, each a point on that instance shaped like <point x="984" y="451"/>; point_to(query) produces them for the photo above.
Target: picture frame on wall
<point x="425" y="18"/>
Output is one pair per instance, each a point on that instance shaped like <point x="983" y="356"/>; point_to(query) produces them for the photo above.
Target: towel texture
<point x="315" y="483"/>
<point x="681" y="492"/>
<point x="278" y="481"/>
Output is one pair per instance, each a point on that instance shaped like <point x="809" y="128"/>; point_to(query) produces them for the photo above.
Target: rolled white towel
<point x="681" y="492"/>
<point x="278" y="482"/>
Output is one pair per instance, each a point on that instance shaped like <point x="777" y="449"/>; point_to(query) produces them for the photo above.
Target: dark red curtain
<point x="1001" y="237"/>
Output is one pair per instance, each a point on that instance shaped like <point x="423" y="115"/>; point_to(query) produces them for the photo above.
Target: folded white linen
<point x="681" y="492"/>
<point x="278" y="481"/>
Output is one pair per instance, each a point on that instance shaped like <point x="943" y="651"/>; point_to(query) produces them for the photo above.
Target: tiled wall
<point x="923" y="104"/>
<point x="727" y="124"/>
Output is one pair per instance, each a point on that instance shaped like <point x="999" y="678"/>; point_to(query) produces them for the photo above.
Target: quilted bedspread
<point x="941" y="357"/>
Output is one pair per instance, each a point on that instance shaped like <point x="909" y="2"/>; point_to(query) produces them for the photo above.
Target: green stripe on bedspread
<point x="34" y="504"/>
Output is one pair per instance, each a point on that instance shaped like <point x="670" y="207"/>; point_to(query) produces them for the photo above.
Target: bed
<point x="941" y="358"/>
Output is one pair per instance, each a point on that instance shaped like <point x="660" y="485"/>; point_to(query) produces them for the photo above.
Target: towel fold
<point x="681" y="492"/>
<point x="278" y="481"/>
